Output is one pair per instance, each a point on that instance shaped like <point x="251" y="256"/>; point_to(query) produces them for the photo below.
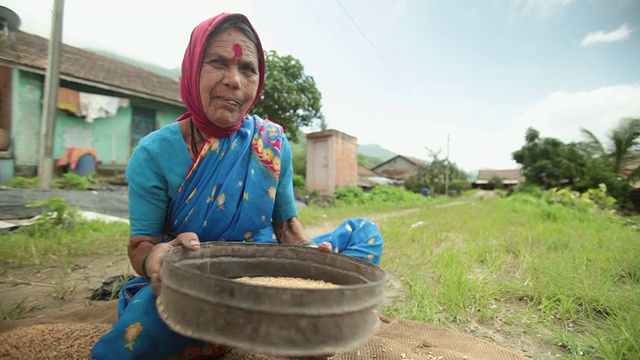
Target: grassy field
<point x="572" y="276"/>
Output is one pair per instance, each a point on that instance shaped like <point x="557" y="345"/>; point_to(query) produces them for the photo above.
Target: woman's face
<point x="229" y="77"/>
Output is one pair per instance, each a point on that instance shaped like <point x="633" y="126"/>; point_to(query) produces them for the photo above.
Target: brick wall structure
<point x="332" y="161"/>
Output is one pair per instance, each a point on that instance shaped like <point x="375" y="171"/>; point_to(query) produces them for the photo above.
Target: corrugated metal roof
<point x="31" y="51"/>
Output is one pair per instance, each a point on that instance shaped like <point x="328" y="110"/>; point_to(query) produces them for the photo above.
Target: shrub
<point x="56" y="213"/>
<point x="388" y="193"/>
<point x="350" y="195"/>
<point x="588" y="200"/>
<point x="23" y="183"/>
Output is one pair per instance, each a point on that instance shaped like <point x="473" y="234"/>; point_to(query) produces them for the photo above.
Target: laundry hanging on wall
<point x="68" y="100"/>
<point x="90" y="106"/>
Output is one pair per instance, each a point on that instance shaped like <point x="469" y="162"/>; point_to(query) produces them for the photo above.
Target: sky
<point x="410" y="74"/>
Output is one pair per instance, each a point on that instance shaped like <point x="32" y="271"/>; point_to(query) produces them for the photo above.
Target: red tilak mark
<point x="237" y="52"/>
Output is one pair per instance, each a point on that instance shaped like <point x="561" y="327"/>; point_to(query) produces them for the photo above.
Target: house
<point x="629" y="167"/>
<point x="367" y="179"/>
<point x="399" y="167"/>
<point x="508" y="178"/>
<point x="103" y="104"/>
<point x="332" y="161"/>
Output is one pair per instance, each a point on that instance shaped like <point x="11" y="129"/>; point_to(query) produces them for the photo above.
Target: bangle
<point x="310" y="244"/>
<point x="144" y="266"/>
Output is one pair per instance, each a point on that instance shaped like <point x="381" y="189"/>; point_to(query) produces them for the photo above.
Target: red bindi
<point x="237" y="52"/>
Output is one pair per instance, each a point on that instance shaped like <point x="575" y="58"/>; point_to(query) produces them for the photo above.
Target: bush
<point x="459" y="185"/>
<point x="350" y="195"/>
<point x="56" y="213"/>
<point x="388" y="193"/>
<point x="299" y="182"/>
<point x="529" y="189"/>
<point x="22" y="183"/>
<point x="415" y="184"/>
<point x="71" y="181"/>
<point x="588" y="200"/>
<point x="68" y="181"/>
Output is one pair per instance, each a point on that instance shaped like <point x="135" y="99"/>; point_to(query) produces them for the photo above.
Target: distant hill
<point x="174" y="73"/>
<point x="377" y="151"/>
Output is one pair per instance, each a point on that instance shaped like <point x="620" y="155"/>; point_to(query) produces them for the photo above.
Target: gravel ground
<point x="111" y="202"/>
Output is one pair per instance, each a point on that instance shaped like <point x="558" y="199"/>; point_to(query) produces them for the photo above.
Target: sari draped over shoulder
<point x="229" y="192"/>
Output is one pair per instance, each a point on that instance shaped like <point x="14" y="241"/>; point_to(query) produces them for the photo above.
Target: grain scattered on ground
<point x="69" y="341"/>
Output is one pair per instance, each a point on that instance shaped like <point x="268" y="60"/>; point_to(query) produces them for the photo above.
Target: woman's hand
<point x="290" y="232"/>
<point x="153" y="264"/>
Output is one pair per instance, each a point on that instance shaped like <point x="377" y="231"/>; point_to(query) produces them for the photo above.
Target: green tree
<point x="548" y="162"/>
<point x="542" y="161"/>
<point x="290" y="97"/>
<point x="433" y="176"/>
<point x="622" y="147"/>
<point x="299" y="150"/>
<point x="497" y="182"/>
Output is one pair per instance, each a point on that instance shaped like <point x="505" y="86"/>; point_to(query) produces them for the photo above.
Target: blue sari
<point x="228" y="194"/>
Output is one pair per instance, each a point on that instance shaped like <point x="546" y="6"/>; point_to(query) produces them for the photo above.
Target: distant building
<point x="399" y="167"/>
<point x="103" y="104"/>
<point x="332" y="161"/>
<point x="509" y="178"/>
<point x="628" y="168"/>
<point x="367" y="179"/>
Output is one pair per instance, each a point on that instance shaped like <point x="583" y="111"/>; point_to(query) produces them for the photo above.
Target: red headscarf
<point x="190" y="81"/>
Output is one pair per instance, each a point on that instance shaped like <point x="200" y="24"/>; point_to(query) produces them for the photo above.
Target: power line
<point x="355" y="41"/>
<point x="337" y="35"/>
<point x="373" y="46"/>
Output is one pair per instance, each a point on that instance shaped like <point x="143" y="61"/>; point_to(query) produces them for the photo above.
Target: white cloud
<point x="562" y="114"/>
<point x="619" y="34"/>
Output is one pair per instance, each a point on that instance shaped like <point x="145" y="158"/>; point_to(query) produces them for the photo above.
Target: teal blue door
<point x="142" y="123"/>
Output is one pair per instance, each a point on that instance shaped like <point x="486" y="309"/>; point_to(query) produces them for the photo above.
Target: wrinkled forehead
<point x="232" y="40"/>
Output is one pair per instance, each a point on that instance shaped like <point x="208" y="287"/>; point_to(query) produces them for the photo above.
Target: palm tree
<point x="622" y="149"/>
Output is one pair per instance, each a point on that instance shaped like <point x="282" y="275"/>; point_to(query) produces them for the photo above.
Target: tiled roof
<point x="409" y="159"/>
<point x="31" y="51"/>
<point x="415" y="160"/>
<point x="363" y="171"/>
<point x="513" y="174"/>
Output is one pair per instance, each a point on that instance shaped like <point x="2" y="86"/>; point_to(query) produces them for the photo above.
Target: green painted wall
<point x="111" y="137"/>
<point x="107" y="135"/>
<point x="26" y="115"/>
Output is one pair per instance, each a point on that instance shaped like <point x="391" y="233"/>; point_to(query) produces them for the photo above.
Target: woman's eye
<point x="249" y="69"/>
<point x="216" y="62"/>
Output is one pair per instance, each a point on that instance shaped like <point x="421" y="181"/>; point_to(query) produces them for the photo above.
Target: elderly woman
<point x="216" y="174"/>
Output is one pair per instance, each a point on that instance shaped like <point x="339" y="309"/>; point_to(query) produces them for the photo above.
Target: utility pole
<point x="51" y="82"/>
<point x="446" y="171"/>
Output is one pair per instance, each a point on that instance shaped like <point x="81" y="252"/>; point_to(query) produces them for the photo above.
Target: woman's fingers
<point x="189" y="240"/>
<point x="156" y="284"/>
<point x="154" y="260"/>
<point x="325" y="246"/>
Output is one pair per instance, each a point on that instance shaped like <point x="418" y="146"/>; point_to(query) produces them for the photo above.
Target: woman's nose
<point x="232" y="77"/>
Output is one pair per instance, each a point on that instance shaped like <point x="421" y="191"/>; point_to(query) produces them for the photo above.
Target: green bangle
<point x="310" y="244"/>
<point x="144" y="266"/>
